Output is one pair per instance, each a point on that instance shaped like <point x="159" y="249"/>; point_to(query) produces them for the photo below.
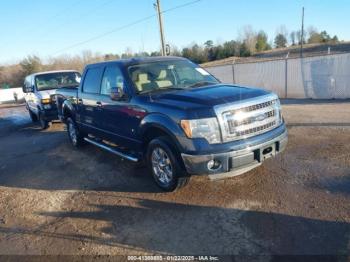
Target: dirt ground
<point x="57" y="200"/>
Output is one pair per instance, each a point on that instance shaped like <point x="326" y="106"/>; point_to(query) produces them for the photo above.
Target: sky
<point x="49" y="28"/>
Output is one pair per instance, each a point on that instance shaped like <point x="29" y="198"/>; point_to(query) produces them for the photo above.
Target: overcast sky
<point x="56" y="27"/>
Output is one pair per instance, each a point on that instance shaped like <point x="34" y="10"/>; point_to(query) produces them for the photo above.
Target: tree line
<point x="247" y="44"/>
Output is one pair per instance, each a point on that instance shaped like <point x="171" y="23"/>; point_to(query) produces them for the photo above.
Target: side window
<point x="112" y="78"/>
<point x="92" y="81"/>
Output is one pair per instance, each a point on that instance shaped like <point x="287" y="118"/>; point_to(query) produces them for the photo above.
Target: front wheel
<point x="164" y="165"/>
<point x="75" y="136"/>
<point x="44" y="124"/>
<point x="33" y="116"/>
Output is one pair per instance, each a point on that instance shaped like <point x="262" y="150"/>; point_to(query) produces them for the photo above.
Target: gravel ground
<point x="57" y="200"/>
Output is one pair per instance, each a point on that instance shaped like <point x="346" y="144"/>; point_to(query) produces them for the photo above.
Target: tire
<point x="33" y="116"/>
<point x="43" y="123"/>
<point x="75" y="136"/>
<point x="163" y="163"/>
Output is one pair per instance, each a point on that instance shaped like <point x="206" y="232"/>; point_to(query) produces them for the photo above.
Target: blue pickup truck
<point x="174" y="116"/>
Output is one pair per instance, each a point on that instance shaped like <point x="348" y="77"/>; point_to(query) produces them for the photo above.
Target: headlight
<point x="207" y="128"/>
<point x="46" y="101"/>
<point x="278" y="109"/>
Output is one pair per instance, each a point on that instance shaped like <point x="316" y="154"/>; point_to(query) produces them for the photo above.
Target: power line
<point x="124" y="27"/>
<point x="62" y="12"/>
<point x="76" y="17"/>
<point x="58" y="14"/>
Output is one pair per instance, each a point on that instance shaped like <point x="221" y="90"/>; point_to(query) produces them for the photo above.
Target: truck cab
<point x="175" y="117"/>
<point x="39" y="90"/>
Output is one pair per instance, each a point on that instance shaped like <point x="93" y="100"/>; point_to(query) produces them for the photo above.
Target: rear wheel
<point x="164" y="165"/>
<point x="75" y="136"/>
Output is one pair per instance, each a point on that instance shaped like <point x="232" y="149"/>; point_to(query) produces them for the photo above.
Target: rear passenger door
<point x="90" y="100"/>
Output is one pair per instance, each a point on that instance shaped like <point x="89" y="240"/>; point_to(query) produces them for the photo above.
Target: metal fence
<point x="320" y="77"/>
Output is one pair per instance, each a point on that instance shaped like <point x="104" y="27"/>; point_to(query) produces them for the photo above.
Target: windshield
<point x="167" y="75"/>
<point x="57" y="80"/>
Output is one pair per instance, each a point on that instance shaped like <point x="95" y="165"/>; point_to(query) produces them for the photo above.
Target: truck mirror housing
<point x="28" y="89"/>
<point x="117" y="93"/>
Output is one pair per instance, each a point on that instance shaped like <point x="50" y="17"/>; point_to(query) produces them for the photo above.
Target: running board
<point x="111" y="150"/>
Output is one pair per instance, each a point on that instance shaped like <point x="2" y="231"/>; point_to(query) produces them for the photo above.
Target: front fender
<point x="166" y="124"/>
<point x="68" y="108"/>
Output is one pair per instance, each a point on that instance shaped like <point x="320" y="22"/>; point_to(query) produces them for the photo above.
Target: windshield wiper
<point x="203" y="83"/>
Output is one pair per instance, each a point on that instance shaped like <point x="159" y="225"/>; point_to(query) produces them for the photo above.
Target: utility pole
<point x="302" y="33"/>
<point x="160" y="19"/>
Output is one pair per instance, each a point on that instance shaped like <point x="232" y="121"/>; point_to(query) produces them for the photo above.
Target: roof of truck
<point x="53" y="72"/>
<point x="141" y="60"/>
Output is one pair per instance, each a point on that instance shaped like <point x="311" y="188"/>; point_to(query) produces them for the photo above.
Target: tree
<point x="31" y="64"/>
<point x="325" y="38"/>
<point x="156" y="53"/>
<point x="209" y="44"/>
<point x="249" y="38"/>
<point x="280" y="41"/>
<point x="293" y="36"/>
<point x="281" y="36"/>
<point x="262" y="44"/>
<point x="243" y="50"/>
<point x="335" y="40"/>
<point x="314" y="36"/>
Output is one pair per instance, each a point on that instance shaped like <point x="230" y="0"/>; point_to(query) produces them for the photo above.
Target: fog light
<point x="214" y="165"/>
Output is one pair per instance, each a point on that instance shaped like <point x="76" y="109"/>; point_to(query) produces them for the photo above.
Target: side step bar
<point x="111" y="150"/>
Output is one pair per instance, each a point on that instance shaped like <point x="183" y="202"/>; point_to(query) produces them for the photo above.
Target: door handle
<point x="80" y="101"/>
<point x="99" y="104"/>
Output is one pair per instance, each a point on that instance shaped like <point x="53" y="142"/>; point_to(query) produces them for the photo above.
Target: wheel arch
<point x="157" y="125"/>
<point x="68" y="110"/>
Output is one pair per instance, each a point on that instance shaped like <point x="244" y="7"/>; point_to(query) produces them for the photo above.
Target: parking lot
<point x="57" y="200"/>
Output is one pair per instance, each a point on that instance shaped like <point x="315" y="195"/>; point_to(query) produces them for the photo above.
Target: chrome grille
<point x="256" y="129"/>
<point x="249" y="118"/>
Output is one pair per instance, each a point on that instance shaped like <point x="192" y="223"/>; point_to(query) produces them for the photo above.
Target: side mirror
<point x="29" y="89"/>
<point x="24" y="89"/>
<point x="117" y="93"/>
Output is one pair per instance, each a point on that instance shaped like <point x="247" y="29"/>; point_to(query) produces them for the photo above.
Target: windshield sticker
<point x="202" y="71"/>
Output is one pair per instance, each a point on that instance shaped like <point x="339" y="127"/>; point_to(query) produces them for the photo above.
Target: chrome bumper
<point x="236" y="162"/>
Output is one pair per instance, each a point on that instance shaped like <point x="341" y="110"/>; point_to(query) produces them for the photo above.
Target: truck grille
<point x="249" y="118"/>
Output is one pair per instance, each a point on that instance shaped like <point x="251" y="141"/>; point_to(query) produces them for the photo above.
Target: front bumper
<point x="50" y="114"/>
<point x="242" y="160"/>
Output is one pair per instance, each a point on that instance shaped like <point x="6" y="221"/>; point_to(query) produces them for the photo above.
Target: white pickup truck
<point x="39" y="90"/>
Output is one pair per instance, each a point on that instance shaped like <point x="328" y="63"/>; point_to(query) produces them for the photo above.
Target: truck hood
<point x="46" y="93"/>
<point x="208" y="96"/>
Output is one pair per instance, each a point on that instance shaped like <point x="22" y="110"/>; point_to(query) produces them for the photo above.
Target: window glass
<point x="165" y="75"/>
<point x="112" y="78"/>
<point x="92" y="81"/>
<point x="57" y="80"/>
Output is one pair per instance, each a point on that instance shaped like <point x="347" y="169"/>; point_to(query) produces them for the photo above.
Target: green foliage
<point x="335" y="39"/>
<point x="261" y="43"/>
<point x="209" y="44"/>
<point x="280" y="41"/>
<point x="244" y="50"/>
<point x="323" y="37"/>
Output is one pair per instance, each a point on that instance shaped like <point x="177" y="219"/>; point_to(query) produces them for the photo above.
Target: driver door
<point x="119" y="119"/>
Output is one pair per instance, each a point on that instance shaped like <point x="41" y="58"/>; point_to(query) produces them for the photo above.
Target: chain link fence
<point x="318" y="77"/>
